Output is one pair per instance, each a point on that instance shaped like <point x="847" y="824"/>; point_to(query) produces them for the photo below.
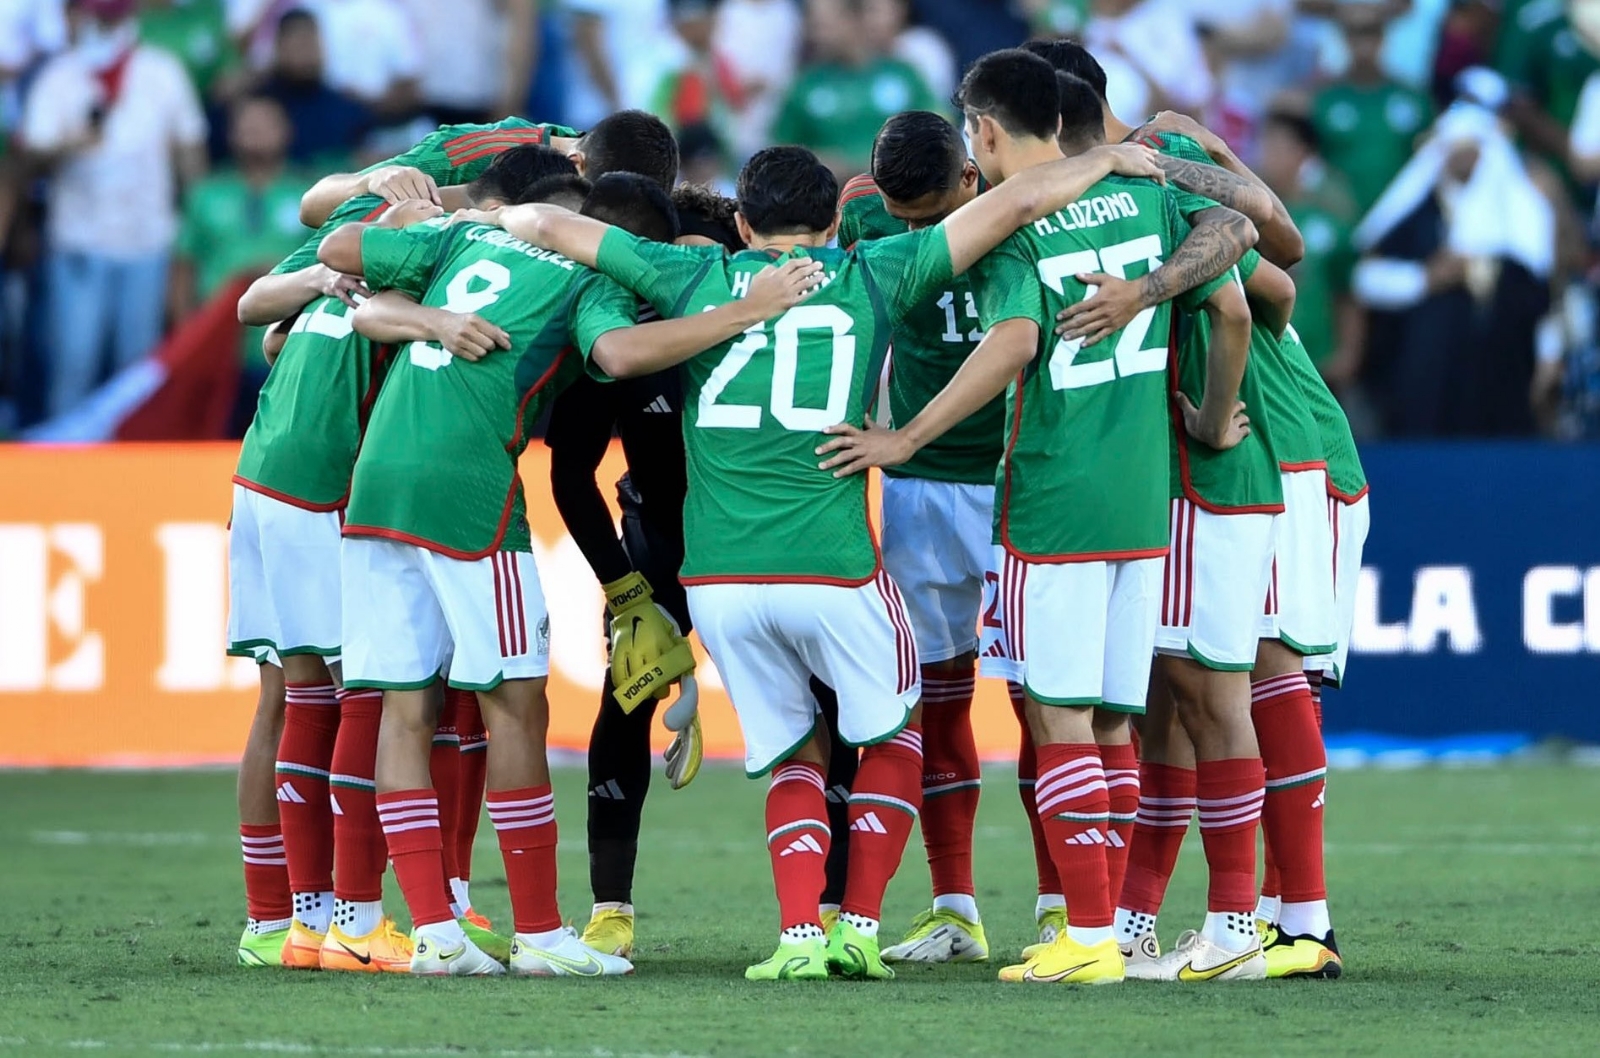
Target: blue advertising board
<point x="1479" y="607"/>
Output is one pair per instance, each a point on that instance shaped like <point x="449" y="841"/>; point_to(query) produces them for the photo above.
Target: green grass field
<point x="1466" y="902"/>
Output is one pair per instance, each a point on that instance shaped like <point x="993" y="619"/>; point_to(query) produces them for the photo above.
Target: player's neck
<point x="785" y="243"/>
<point x="1026" y="154"/>
<point x="1117" y="130"/>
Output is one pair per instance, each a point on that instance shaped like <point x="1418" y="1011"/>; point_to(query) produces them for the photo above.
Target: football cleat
<point x="1311" y="958"/>
<point x="1196" y="959"/>
<point x="1052" y="924"/>
<point x="479" y="920"/>
<point x="465" y="959"/>
<point x="1143" y="950"/>
<point x="795" y="960"/>
<point x="302" y="947"/>
<point x="941" y="935"/>
<point x="493" y="944"/>
<point x="852" y="953"/>
<point x="1065" y="961"/>
<point x="828" y="916"/>
<point x="610" y="931"/>
<point x="568" y="957"/>
<point x="262" y="949"/>
<point x="1267" y="932"/>
<point x="384" y="950"/>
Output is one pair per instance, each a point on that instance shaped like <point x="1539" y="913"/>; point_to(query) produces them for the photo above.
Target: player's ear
<point x="747" y="234"/>
<point x="969" y="175"/>
<point x="580" y="161"/>
<point x="833" y="229"/>
<point x="988" y="133"/>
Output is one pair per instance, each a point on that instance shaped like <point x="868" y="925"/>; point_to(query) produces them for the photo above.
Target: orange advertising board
<point x="113" y="603"/>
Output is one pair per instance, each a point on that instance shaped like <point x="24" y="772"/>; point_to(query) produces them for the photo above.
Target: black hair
<point x="1297" y="125"/>
<point x="1083" y="120"/>
<point x="917" y="153"/>
<point x="1017" y="89"/>
<point x="786" y="191"/>
<point x="703" y="212"/>
<point x="635" y="204"/>
<point x="1069" y="56"/>
<point x="569" y="190"/>
<point x="515" y="170"/>
<point x="631" y="141"/>
<point x="295" y="17"/>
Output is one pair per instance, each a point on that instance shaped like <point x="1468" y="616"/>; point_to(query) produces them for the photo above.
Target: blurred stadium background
<point x="154" y="152"/>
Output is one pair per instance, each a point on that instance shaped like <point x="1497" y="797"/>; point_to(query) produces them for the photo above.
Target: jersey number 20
<point x="1130" y="356"/>
<point x="460" y="298"/>
<point x="785" y="367"/>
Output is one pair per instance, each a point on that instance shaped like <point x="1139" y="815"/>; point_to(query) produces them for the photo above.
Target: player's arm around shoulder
<point x="391" y="316"/>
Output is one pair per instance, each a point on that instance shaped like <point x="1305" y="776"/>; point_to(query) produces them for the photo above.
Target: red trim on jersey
<point x="1346" y="498"/>
<point x="498" y="147"/>
<point x="858" y="187"/>
<point x="499" y="129"/>
<point x="539" y="383"/>
<point x="469" y="146"/>
<point x="293" y="501"/>
<point x="1181" y="438"/>
<point x="377" y="211"/>
<point x="1299" y="468"/>
<point x="438" y="548"/>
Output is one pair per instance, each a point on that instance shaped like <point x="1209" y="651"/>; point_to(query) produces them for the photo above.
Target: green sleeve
<point x="908" y="268"/>
<point x="432" y="155"/>
<point x="1007" y="287"/>
<point x="403" y="259"/>
<point x="600" y="305"/>
<point x="849" y="224"/>
<point x="362" y="207"/>
<point x="1248" y="264"/>
<point x="662" y="274"/>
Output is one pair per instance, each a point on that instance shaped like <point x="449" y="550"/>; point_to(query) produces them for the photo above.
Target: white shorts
<point x="768" y="640"/>
<point x="411" y="615"/>
<point x="1300" y="608"/>
<point x="1073" y="633"/>
<point x="1350" y="523"/>
<point x="936" y="547"/>
<point x="283" y="577"/>
<point x="1216" y="578"/>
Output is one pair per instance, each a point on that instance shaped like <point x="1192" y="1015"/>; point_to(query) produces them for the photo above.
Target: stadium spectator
<point x="1366" y="122"/>
<point x="326" y="124"/>
<point x="703" y="160"/>
<point x="837" y="105"/>
<point x="759" y="41"/>
<point x="504" y="34"/>
<point x="116" y="124"/>
<point x="1158" y="39"/>
<point x="372" y="52"/>
<point x="621" y="48"/>
<point x="196" y="31"/>
<point x="703" y="89"/>
<point x="1547" y="51"/>
<point x="890" y="24"/>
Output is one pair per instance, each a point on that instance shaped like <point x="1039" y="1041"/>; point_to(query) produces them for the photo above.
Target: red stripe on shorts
<point x="519" y="639"/>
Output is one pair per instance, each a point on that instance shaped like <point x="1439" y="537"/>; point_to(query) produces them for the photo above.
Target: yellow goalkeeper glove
<point x="648" y="652"/>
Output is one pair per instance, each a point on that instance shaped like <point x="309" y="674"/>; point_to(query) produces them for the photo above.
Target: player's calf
<point x="266" y="876"/>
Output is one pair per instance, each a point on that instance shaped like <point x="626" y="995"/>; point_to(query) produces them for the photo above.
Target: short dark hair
<point x="631" y="141"/>
<point x="635" y="204"/>
<point x="297" y="16"/>
<point x="1069" y="56"/>
<point x="515" y="170"/>
<point x="702" y="211"/>
<point x="917" y="153"/>
<point x="1017" y="89"/>
<point x="1083" y="120"/>
<point x="568" y="191"/>
<point x="1297" y="125"/>
<point x="787" y="190"/>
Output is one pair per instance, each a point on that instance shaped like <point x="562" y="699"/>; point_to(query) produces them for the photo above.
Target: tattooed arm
<point x="1220" y="186"/>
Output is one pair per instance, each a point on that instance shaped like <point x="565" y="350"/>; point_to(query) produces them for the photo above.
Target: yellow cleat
<point x="302" y="948"/>
<point x="610" y="932"/>
<point x="384" y="950"/>
<point x="940" y="935"/>
<point x="828" y="916"/>
<point x="262" y="949"/>
<point x="1052" y="924"/>
<point x="1065" y="961"/>
<point x="1303" y="957"/>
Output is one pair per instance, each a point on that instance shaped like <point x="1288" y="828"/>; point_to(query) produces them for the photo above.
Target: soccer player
<point x="269" y="907"/>
<point x="1087" y="432"/>
<point x="782" y="570"/>
<point x="431" y="585"/>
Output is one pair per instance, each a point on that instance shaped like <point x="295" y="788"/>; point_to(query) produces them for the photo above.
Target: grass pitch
<point x="1466" y="902"/>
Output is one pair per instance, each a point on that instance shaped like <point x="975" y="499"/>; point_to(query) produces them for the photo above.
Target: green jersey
<point x="1368" y="132"/>
<point x="438" y="467"/>
<point x="1346" y="480"/>
<point x="459" y="154"/>
<point x="301" y="445"/>
<point x="759" y="509"/>
<point x="1296" y="438"/>
<point x="935" y="340"/>
<point x="837" y="110"/>
<point x="1325" y="215"/>
<point x="1084" y="477"/>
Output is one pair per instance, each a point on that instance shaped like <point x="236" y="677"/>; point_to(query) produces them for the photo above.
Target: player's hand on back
<point x="407" y="212"/>
<point x="1132" y="159"/>
<point x="854" y="449"/>
<point x="1111" y="303"/>
<point x="468" y="335"/>
<point x="491" y="217"/>
<point x="1182" y="124"/>
<point x="348" y="289"/>
<point x="396" y="183"/>
<point x="779" y="288"/>
<point x="1220" y="428"/>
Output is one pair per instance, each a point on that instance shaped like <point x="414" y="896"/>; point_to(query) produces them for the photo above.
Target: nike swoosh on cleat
<point x="799" y="962"/>
<point x="1029" y="975"/>
<point x="364" y="960"/>
<point x="590" y="967"/>
<point x="1187" y="972"/>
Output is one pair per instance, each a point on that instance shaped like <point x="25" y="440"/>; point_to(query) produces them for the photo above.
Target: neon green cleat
<point x="611" y="931"/>
<point x="262" y="949"/>
<point x="1052" y="924"/>
<point x="795" y="960"/>
<point x="852" y="953"/>
<point x="492" y="944"/>
<point x="940" y="935"/>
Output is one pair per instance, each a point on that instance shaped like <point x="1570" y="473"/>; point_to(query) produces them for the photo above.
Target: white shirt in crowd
<point x="1156" y="41"/>
<point x="638" y="41"/>
<point x="29" y="30"/>
<point x="115" y="199"/>
<point x="760" y="41"/>
<point x="464" y="67"/>
<point x="368" y="45"/>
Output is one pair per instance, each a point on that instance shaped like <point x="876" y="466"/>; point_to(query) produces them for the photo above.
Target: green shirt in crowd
<point x="1326" y="215"/>
<point x="196" y="31"/>
<point x="230" y="227"/>
<point x="1368" y="132"/>
<point x="837" y="110"/>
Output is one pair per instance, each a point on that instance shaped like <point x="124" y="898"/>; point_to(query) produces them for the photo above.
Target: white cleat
<point x="1196" y="959"/>
<point x="466" y="959"/>
<point x="568" y="957"/>
<point x="941" y="936"/>
<point x="1141" y="957"/>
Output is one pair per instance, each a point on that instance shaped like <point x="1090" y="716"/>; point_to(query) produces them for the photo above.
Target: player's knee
<point x="1275" y="658"/>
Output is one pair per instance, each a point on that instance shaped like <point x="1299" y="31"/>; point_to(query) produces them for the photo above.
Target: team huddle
<point x="1111" y="477"/>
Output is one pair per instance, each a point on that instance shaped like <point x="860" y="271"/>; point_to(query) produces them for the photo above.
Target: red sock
<point x="1229" y="795"/>
<point x="266" y="874"/>
<point x="1314" y="679"/>
<point x="951" y="778"/>
<point x="474" y="770"/>
<point x="411" y="829"/>
<point x="1296" y="767"/>
<point x="305" y="752"/>
<point x="444" y="767"/>
<point x="359" y="851"/>
<point x="1027" y="773"/>
<point x="1166" y="803"/>
<point x="1122" y="783"/>
<point x="797" y="840"/>
<point x="1074" y="808"/>
<point x="1271" y="882"/>
<point x="883" y="805"/>
<point x="525" y="822"/>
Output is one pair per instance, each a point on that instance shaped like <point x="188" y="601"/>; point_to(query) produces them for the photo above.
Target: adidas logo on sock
<point x="333" y="802"/>
<point x="289" y="794"/>
<point x="1318" y="803"/>
<point x="608" y="791"/>
<point x="870" y="824"/>
<point x="1092" y="836"/>
<point x="803" y="843"/>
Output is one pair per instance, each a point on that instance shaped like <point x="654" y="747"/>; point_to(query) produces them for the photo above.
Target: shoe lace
<point x="391" y="933"/>
<point x="1186" y="940"/>
<point x="922" y="922"/>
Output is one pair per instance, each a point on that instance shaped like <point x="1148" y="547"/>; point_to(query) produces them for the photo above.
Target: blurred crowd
<point x="1440" y="156"/>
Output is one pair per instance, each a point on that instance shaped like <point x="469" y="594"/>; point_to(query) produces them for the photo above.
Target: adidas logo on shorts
<point x="870" y="824"/>
<point x="803" y="843"/>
